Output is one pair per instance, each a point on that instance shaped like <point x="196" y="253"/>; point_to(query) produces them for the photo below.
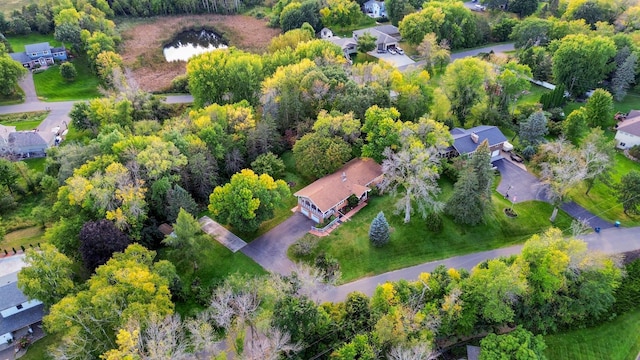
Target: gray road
<point x="270" y="249"/>
<point x="459" y="55"/>
<point x="611" y="241"/>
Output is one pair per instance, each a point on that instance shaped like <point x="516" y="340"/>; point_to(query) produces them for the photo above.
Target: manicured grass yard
<point x="38" y="350"/>
<point x="23" y="121"/>
<point x="36" y="164"/>
<point x="18" y="42"/>
<point x="602" y="200"/>
<point x="618" y="339"/>
<point x="52" y="87"/>
<point x="413" y="244"/>
<point x="32" y="235"/>
<point x="215" y="263"/>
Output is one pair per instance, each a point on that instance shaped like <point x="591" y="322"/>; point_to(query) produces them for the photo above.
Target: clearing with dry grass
<point x="7" y="6"/>
<point x="144" y="39"/>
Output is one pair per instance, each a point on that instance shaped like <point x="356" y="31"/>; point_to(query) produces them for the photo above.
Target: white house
<point x="326" y="33"/>
<point x="375" y="9"/>
<point x="628" y="134"/>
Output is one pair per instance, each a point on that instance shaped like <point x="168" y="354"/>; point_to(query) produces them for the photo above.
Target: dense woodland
<point x="143" y="163"/>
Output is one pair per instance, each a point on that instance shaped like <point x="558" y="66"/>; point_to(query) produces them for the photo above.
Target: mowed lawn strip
<point x="18" y="42"/>
<point x="413" y="243"/>
<point x="618" y="339"/>
<point x="50" y="86"/>
<point x="602" y="200"/>
<point x="23" y="121"/>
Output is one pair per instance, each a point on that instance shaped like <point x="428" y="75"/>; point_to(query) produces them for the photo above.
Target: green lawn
<point x="38" y="350"/>
<point x="35" y="164"/>
<point x="51" y="87"/>
<point x="24" y="121"/>
<point x="413" y="244"/>
<point x="18" y="42"/>
<point x="601" y="199"/>
<point x="533" y="95"/>
<point x="215" y="263"/>
<point x="32" y="235"/>
<point x="618" y="339"/>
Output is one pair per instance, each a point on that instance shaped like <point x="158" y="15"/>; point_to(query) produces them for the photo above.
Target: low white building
<point x="628" y="131"/>
<point x="375" y="9"/>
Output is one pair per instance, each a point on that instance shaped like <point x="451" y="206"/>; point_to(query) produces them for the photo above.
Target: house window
<point x="623" y="144"/>
<point x="19" y="307"/>
<point x="34" y="54"/>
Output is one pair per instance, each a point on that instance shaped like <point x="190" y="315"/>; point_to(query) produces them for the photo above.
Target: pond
<point x="191" y="43"/>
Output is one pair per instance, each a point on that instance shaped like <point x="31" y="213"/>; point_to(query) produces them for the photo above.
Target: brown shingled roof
<point x="631" y="125"/>
<point x="331" y="189"/>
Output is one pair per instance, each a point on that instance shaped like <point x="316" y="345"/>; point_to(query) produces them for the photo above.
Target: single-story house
<point x="349" y="45"/>
<point x="628" y="131"/>
<point x="386" y="36"/>
<point x="40" y="54"/>
<point x="26" y="144"/>
<point x="465" y="142"/>
<point x="326" y="196"/>
<point x="375" y="9"/>
<point x="326" y="33"/>
<point x="17" y="313"/>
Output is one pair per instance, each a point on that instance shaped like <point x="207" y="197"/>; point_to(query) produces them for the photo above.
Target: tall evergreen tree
<point x="379" y="230"/>
<point x="466" y="205"/>
<point x="481" y="164"/>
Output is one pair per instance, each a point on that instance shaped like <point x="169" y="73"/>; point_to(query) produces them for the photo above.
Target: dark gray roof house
<point x="386" y="35"/>
<point x="27" y="143"/>
<point x="39" y="54"/>
<point x="16" y="311"/>
<point x="467" y="141"/>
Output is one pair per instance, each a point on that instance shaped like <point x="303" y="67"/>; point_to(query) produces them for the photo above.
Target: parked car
<point x="399" y="51"/>
<point x="381" y="51"/>
<point x="392" y="51"/>
<point x="515" y="157"/>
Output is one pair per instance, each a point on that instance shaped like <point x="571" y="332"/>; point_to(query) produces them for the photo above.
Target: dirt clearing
<point x="143" y="41"/>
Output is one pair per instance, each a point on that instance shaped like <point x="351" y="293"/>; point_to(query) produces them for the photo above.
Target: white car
<point x="399" y="51"/>
<point x="392" y="51"/>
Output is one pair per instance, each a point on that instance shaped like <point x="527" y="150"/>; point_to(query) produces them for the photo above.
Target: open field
<point x="618" y="339"/>
<point x="143" y="41"/>
<point x="7" y="6"/>
<point x="50" y="86"/>
<point x="413" y="244"/>
<point x="23" y="237"/>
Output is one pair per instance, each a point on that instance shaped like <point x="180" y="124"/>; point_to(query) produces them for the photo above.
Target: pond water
<point x="191" y="43"/>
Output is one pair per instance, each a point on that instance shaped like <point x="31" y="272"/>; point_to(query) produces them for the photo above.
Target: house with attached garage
<point x="465" y="142"/>
<point x="327" y="196"/>
<point x="41" y="54"/>
<point x="628" y="131"/>
<point x="25" y="144"/>
<point x="386" y="36"/>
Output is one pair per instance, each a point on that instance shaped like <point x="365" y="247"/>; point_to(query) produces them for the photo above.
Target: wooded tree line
<point x="554" y="284"/>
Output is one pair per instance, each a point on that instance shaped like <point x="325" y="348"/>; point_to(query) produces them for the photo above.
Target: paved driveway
<point x="395" y="60"/>
<point x="270" y="249"/>
<point x="518" y="182"/>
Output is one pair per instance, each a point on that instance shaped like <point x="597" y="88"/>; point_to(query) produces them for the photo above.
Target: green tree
<point x="531" y="31"/>
<point x="186" y="239"/>
<point x="599" y="109"/>
<point x="480" y="162"/>
<point x="269" y="164"/>
<point x="379" y="230"/>
<point x="383" y="130"/>
<point x="48" y="275"/>
<point x="295" y="14"/>
<point x="397" y="9"/>
<point x="247" y="200"/>
<point x="366" y="43"/>
<point x="581" y="62"/>
<point x="8" y="174"/>
<point x="574" y="127"/>
<point x="519" y="344"/>
<point x="358" y="348"/>
<point x="435" y="54"/>
<point x="127" y="287"/>
<point x="628" y="192"/>
<point x="513" y="80"/>
<point x="464" y="84"/>
<point x="341" y="13"/>
<point x="68" y="71"/>
<point x="317" y="155"/>
<point x="523" y="7"/>
<point x="624" y="77"/>
<point x="533" y="129"/>
<point x="10" y="72"/>
<point x="465" y="205"/>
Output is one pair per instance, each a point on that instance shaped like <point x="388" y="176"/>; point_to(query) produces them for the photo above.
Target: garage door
<point x="305" y="211"/>
<point x="315" y="218"/>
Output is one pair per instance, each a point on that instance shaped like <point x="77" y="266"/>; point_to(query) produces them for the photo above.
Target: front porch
<point x="334" y="224"/>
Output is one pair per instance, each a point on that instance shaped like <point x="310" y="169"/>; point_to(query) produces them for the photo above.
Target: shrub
<point x="353" y="201"/>
<point x="379" y="233"/>
<point x="635" y="151"/>
<point x="305" y="246"/>
<point x="180" y="84"/>
<point x="528" y="152"/>
<point x="434" y="222"/>
<point x="68" y="72"/>
<point x="628" y="294"/>
<point x="330" y="267"/>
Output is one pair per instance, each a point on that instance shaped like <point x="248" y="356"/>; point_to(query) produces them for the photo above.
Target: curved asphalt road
<point x="501" y="48"/>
